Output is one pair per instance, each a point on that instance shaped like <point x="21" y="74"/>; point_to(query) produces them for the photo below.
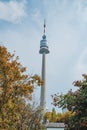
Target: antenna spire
<point x="44" y="26"/>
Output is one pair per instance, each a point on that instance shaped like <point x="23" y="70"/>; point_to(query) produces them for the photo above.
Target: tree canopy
<point x="57" y="117"/>
<point x="76" y="102"/>
<point x="15" y="87"/>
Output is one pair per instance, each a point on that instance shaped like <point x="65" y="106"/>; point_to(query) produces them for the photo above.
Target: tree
<point x="63" y="117"/>
<point x="76" y="102"/>
<point x="15" y="88"/>
<point x="31" y="118"/>
<point x="53" y="115"/>
<point x="57" y="117"/>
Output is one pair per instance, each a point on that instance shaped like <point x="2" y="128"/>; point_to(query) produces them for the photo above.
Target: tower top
<point x="43" y="43"/>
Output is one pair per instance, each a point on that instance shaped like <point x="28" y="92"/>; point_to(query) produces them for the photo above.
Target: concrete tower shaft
<point x="43" y="87"/>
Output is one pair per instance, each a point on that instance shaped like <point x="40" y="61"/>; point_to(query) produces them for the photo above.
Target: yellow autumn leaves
<point x="15" y="87"/>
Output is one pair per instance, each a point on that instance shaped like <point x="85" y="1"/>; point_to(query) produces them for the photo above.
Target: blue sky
<point x="21" y="29"/>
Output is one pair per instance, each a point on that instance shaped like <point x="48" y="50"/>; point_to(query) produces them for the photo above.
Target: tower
<point x="43" y="50"/>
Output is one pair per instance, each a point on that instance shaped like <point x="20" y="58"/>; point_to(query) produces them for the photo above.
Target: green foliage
<point x="76" y="102"/>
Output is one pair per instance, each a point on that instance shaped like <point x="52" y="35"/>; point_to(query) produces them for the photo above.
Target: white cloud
<point x="12" y="11"/>
<point x="36" y="14"/>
